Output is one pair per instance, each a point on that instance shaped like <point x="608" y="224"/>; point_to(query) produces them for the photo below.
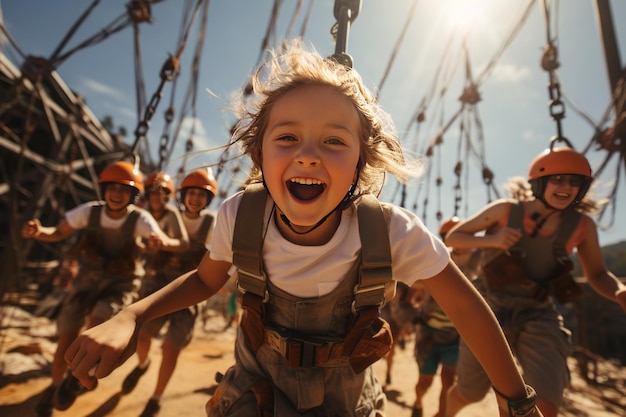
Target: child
<point x="437" y="341"/>
<point x="161" y="268"/>
<point x="312" y="249"/>
<point x="196" y="192"/>
<point x="109" y="269"/>
<point x="530" y="238"/>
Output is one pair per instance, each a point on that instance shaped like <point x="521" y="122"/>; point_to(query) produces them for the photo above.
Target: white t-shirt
<point x="193" y="224"/>
<point x="78" y="218"/>
<point x="314" y="271"/>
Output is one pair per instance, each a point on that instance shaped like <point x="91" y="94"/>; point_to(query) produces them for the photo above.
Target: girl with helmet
<point x="109" y="266"/>
<point x="527" y="241"/>
<point x="313" y="249"/>
<point x="195" y="224"/>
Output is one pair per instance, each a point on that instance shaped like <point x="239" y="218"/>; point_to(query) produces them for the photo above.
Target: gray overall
<point x="528" y="316"/>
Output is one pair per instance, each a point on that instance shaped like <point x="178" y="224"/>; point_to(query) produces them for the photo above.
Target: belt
<point x="304" y="353"/>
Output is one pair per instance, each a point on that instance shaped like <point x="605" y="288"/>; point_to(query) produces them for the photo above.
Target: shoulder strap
<point x="516" y="221"/>
<point x="375" y="284"/>
<point x="94" y="217"/>
<point x="205" y="227"/>
<point x="129" y="224"/>
<point x="569" y="222"/>
<point x="248" y="241"/>
<point x="516" y="215"/>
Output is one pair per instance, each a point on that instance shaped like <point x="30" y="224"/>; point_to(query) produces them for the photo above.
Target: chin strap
<point x="343" y="204"/>
<point x="315" y="226"/>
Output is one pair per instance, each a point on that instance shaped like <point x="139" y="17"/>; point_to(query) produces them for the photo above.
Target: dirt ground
<point x="211" y="351"/>
<point x="193" y="383"/>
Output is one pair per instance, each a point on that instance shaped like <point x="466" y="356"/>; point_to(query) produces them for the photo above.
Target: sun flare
<point x="466" y="15"/>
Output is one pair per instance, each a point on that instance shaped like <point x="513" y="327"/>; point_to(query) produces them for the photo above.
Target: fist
<point x="31" y="229"/>
<point x="154" y="241"/>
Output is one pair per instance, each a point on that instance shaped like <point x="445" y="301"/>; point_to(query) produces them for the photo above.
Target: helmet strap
<point x="343" y="204"/>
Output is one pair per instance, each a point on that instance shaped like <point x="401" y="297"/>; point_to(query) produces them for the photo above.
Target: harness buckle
<point x="256" y="284"/>
<point x="276" y="341"/>
<point x="365" y="292"/>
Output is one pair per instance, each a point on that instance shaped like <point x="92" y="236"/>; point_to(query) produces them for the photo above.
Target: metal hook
<point x="345" y="12"/>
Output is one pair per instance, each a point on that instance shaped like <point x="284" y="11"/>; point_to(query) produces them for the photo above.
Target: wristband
<point x="518" y="408"/>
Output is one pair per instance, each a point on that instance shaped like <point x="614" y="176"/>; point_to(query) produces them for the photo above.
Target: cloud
<point x="97" y="87"/>
<point x="529" y="135"/>
<point x="510" y="73"/>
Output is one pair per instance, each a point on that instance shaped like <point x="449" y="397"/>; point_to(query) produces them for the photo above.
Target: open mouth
<point x="305" y="189"/>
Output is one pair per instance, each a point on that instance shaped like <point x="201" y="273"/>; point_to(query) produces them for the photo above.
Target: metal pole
<point x="609" y="42"/>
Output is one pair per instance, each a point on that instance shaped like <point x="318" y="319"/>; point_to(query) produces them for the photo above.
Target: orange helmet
<point x="122" y="172"/>
<point x="559" y="161"/>
<point x="200" y="178"/>
<point x="158" y="180"/>
<point x="447" y="225"/>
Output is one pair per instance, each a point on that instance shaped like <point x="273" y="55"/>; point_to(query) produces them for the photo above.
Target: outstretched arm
<point x="478" y="326"/>
<point x="594" y="267"/>
<point x="34" y="230"/>
<point x="98" y="351"/>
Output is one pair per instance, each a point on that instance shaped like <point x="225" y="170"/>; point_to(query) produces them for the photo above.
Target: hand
<point x="96" y="352"/>
<point x="154" y="241"/>
<point x="505" y="238"/>
<point x="31" y="229"/>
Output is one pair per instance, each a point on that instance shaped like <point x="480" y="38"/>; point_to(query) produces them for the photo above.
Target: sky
<point x="412" y="53"/>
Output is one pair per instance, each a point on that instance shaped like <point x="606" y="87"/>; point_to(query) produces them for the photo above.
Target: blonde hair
<point x="294" y="66"/>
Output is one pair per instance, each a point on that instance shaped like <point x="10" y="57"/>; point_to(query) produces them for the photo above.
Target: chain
<point x="550" y="63"/>
<point x="168" y="72"/>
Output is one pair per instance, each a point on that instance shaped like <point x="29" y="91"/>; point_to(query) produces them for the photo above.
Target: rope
<point x="271" y="29"/>
<point x="193" y="88"/>
<point x="305" y="22"/>
<point x="397" y="47"/>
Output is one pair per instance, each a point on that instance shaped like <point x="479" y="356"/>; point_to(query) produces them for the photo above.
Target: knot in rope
<point x="487" y="176"/>
<point x="458" y="168"/>
<point x="470" y="95"/>
<point x="169" y="114"/>
<point x="139" y="11"/>
<point x="549" y="60"/>
<point x="170" y="68"/>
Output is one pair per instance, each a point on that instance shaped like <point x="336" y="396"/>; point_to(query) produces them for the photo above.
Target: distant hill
<point x="614" y="256"/>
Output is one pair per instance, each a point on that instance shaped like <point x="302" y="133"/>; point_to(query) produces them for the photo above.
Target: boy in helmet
<point x="196" y="192"/>
<point x="526" y="267"/>
<point x="109" y="269"/>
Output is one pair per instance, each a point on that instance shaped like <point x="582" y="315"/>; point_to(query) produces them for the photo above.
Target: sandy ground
<point x="193" y="383"/>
